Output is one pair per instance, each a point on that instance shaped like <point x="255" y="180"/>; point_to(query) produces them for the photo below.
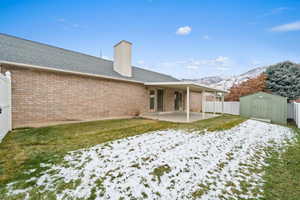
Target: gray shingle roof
<point x="19" y="50"/>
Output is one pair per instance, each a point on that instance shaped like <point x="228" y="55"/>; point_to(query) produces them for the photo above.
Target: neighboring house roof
<point x="17" y="50"/>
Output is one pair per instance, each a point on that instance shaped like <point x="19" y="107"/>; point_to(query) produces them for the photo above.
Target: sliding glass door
<point x="160" y="100"/>
<point x="178" y="101"/>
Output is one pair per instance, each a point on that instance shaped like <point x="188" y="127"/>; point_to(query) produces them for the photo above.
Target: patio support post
<point x="187" y="103"/>
<point x="203" y="104"/>
<point x="222" y="103"/>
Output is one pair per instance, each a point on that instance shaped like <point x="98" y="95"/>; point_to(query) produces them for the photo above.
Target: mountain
<point x="225" y="83"/>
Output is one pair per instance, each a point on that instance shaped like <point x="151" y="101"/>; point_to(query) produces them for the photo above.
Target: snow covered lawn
<point x="171" y="164"/>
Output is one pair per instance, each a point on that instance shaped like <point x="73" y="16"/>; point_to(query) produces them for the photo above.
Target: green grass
<point x="26" y="148"/>
<point x="282" y="176"/>
<point x="160" y="171"/>
<point x="199" y="192"/>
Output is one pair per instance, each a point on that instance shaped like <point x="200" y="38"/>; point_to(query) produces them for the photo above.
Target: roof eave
<point x="185" y="83"/>
<point x="67" y="71"/>
<point x="182" y="83"/>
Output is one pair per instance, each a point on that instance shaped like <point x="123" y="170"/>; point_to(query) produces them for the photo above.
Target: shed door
<point x="261" y="108"/>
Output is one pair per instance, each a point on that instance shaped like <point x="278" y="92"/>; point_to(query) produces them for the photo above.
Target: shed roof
<point x="264" y="93"/>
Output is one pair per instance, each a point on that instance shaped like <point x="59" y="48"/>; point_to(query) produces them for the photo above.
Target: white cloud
<point x="223" y="68"/>
<point x="184" y="30"/>
<point x="295" y="26"/>
<point x="192" y="67"/>
<point x="221" y="59"/>
<point x="206" y="37"/>
<point x="275" y="11"/>
<point x="219" y="63"/>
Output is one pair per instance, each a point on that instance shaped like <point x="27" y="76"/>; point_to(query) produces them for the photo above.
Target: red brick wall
<point x="169" y="100"/>
<point x="44" y="96"/>
<point x="196" y="102"/>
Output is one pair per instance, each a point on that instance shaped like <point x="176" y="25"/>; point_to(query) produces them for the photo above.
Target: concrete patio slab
<point x="179" y="117"/>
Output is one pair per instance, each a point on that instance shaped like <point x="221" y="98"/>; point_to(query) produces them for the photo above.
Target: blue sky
<point x="186" y="38"/>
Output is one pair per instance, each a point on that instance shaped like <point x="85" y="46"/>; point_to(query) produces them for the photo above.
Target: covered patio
<point x="186" y="115"/>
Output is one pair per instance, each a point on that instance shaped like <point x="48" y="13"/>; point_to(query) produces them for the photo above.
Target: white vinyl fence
<point x="233" y="107"/>
<point x="230" y="107"/>
<point x="294" y="112"/>
<point x="5" y="105"/>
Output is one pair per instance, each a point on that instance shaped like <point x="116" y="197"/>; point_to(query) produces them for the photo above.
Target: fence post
<point x="222" y="103"/>
<point x="8" y="76"/>
<point x="297" y="114"/>
<point x="294" y="111"/>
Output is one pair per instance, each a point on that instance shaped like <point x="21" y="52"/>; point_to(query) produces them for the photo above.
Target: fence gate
<point x="5" y="104"/>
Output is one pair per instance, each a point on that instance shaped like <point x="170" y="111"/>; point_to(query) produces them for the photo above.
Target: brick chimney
<point x="122" y="58"/>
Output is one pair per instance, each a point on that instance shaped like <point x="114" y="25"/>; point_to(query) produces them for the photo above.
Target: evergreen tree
<point x="284" y="79"/>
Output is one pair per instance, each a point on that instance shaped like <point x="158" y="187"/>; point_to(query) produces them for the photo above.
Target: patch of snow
<point x="216" y="162"/>
<point x="30" y="171"/>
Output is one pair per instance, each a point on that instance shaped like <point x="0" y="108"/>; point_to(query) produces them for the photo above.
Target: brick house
<point x="51" y="84"/>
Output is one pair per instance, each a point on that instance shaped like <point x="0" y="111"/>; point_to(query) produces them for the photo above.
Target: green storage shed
<point x="264" y="106"/>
